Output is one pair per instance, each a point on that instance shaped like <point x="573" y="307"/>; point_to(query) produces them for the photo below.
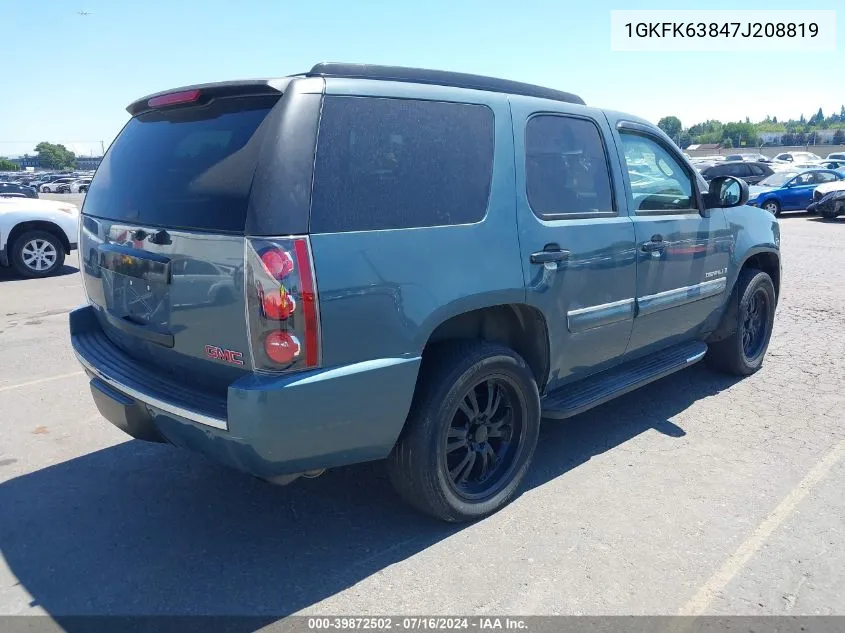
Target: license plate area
<point x="136" y="287"/>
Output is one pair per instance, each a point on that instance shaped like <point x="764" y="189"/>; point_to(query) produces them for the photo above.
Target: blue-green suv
<point x="364" y="262"/>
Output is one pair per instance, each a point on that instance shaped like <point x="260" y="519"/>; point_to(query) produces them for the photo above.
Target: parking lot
<point x="697" y="494"/>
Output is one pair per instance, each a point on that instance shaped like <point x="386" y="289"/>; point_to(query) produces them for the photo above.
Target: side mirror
<point x="726" y="192"/>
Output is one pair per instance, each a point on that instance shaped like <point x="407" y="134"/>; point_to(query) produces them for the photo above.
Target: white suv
<point x="35" y="235"/>
<point x="80" y="186"/>
<point x="55" y="185"/>
<point x="798" y="157"/>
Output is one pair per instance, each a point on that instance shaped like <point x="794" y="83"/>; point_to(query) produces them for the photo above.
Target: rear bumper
<point x="264" y="425"/>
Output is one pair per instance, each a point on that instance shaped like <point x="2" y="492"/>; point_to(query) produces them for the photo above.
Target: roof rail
<point x="439" y="78"/>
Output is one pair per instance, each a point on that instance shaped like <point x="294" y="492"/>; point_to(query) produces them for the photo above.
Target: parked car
<point x="829" y="205"/>
<point x="80" y="186"/>
<point x="59" y="185"/>
<point x="836" y="156"/>
<point x="833" y="164"/>
<point x="752" y="173"/>
<point x="790" y="190"/>
<point x="35" y="235"/>
<point x="827" y="187"/>
<point x="14" y="190"/>
<point x="792" y="157"/>
<point x="755" y="158"/>
<point x="708" y="159"/>
<point x="451" y="272"/>
<point x="44" y="179"/>
<point x="700" y="166"/>
<point x="823" y="190"/>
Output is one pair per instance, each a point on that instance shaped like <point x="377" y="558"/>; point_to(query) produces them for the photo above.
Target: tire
<point x="832" y="214"/>
<point x="772" y="206"/>
<point x="742" y="352"/>
<point x="419" y="465"/>
<point x="34" y="249"/>
<point x="45" y="189"/>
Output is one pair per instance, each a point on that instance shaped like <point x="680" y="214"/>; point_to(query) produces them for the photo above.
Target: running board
<point x="590" y="392"/>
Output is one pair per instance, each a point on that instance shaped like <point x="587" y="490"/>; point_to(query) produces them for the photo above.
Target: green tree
<point x="817" y="118"/>
<point x="55" y="156"/>
<point x="727" y="142"/>
<point x="706" y="132"/>
<point x="671" y="125"/>
<point x="802" y="120"/>
<point x="839" y="137"/>
<point x="741" y="134"/>
<point x="774" y="119"/>
<point x="7" y="165"/>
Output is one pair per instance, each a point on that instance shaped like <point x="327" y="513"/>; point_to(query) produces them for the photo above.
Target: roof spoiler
<point x="209" y="91"/>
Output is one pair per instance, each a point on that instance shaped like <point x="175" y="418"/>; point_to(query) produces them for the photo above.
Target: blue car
<point x="790" y="190"/>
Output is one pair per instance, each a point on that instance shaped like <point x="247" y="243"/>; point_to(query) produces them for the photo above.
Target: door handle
<point x="550" y="254"/>
<point x="654" y="245"/>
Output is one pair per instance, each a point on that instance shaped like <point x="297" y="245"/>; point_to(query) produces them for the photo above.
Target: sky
<point x="68" y="78"/>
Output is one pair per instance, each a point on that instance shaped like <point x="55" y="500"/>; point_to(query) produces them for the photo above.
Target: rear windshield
<point x="187" y="168"/>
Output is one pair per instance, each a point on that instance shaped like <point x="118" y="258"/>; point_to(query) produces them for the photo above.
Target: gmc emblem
<point x="226" y="355"/>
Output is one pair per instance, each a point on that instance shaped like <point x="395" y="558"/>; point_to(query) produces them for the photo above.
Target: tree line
<point x="50" y="156"/>
<point x="799" y="131"/>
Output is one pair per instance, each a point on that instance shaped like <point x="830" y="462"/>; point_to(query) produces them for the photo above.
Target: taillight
<point x="282" y="348"/>
<point x="282" y="305"/>
<point x="279" y="263"/>
<point x="278" y="305"/>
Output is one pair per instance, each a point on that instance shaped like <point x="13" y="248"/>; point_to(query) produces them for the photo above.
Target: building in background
<point x="88" y="162"/>
<point x="82" y="162"/>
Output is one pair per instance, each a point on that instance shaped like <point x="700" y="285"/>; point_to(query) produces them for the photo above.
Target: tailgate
<point x="169" y="298"/>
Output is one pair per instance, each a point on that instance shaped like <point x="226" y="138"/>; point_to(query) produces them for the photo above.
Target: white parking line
<point x="741" y="556"/>
<point x="39" y="381"/>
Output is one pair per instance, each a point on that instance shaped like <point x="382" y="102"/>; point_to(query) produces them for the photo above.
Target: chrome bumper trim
<point x="193" y="416"/>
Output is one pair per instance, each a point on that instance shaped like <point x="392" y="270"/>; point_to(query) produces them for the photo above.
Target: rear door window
<point x="566" y="169"/>
<point x="184" y="168"/>
<point x="399" y="163"/>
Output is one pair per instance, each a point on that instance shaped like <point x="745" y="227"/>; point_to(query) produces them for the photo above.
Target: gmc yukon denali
<point x="380" y="263"/>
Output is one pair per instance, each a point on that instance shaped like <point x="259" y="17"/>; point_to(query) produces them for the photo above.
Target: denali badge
<point x="716" y="273"/>
<point x="227" y="355"/>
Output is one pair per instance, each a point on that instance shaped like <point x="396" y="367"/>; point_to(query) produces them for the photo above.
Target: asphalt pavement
<point x="697" y="494"/>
